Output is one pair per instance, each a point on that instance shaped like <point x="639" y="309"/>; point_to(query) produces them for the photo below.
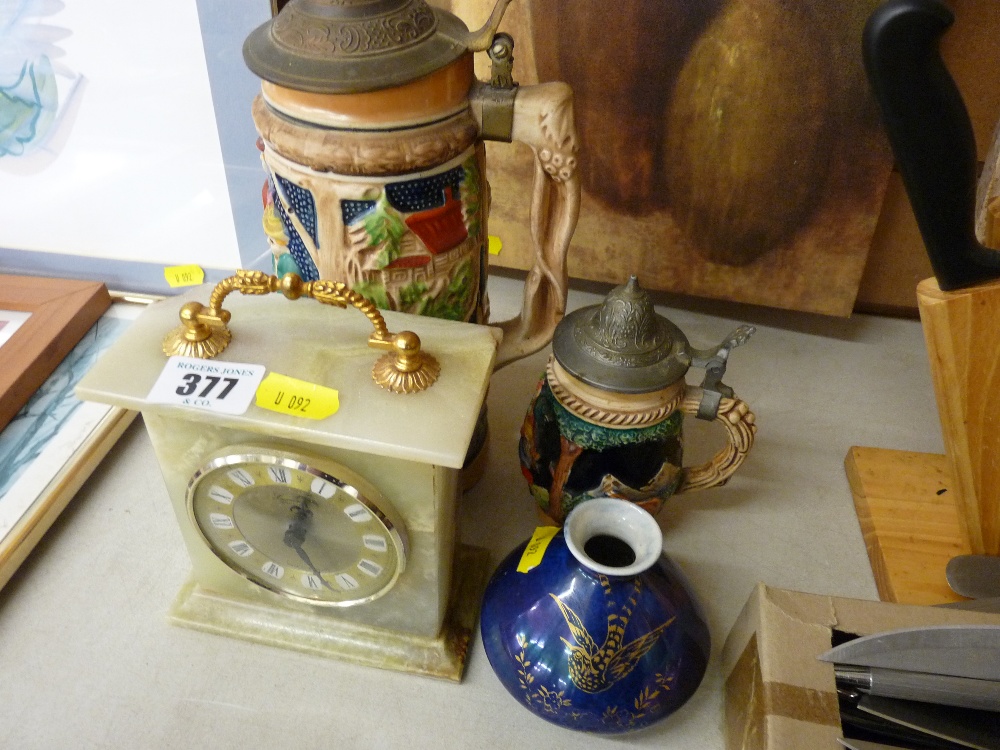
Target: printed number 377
<point x="193" y="380"/>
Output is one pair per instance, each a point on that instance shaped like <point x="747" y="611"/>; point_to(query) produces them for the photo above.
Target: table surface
<point x="88" y="659"/>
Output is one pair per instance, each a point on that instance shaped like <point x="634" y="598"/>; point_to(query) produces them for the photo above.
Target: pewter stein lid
<point x="353" y="46"/>
<point x="623" y="344"/>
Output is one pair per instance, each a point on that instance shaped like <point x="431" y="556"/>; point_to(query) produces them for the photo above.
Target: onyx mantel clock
<point x="334" y="536"/>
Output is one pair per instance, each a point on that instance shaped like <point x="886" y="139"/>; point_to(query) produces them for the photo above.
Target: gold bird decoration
<point x="594" y="668"/>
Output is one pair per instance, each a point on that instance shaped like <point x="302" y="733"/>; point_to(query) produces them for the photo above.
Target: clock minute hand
<point x="295" y="537"/>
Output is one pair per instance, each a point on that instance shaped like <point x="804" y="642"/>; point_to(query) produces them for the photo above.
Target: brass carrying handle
<point x="204" y="331"/>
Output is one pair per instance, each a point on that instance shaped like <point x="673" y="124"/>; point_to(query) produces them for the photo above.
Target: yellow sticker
<point x="495" y="245"/>
<point x="287" y="395"/>
<point x="535" y="550"/>
<point x="189" y="275"/>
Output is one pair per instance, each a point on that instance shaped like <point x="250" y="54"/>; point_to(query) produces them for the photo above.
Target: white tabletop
<point x="88" y="659"/>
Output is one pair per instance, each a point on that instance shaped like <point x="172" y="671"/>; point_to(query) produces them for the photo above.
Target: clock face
<point x="298" y="530"/>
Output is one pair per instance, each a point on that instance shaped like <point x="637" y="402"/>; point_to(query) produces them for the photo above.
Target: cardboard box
<point x="779" y="696"/>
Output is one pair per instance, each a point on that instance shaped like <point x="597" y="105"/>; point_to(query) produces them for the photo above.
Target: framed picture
<point x="54" y="442"/>
<point x="46" y="318"/>
<point x="178" y="182"/>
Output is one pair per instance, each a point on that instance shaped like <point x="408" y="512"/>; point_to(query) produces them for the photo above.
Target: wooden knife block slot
<point x="919" y="510"/>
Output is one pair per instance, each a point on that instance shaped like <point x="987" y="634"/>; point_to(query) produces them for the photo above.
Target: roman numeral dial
<point x="307" y="529"/>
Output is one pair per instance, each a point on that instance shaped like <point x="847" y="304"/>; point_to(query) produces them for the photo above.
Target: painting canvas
<point x="728" y="148"/>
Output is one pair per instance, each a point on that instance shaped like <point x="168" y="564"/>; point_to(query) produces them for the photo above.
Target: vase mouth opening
<point x="613" y="537"/>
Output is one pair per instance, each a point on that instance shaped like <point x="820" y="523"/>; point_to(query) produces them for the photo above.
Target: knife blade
<point x="958" y="650"/>
<point x="852" y="744"/>
<point x="966" y="727"/>
<point x="943" y="690"/>
<point x="975" y="576"/>
<point x="930" y="134"/>
<point x="990" y="604"/>
<point x="863" y="725"/>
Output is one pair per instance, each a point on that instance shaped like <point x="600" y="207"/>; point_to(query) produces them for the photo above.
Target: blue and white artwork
<point x="107" y="125"/>
<point x="37" y="85"/>
<point x="45" y="433"/>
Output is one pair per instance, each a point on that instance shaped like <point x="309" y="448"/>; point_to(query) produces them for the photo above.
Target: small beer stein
<point x="606" y="417"/>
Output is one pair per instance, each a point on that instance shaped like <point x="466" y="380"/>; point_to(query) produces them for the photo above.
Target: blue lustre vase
<point x="597" y="631"/>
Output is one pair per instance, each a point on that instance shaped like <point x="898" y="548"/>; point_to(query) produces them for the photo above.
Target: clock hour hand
<point x="295" y="537"/>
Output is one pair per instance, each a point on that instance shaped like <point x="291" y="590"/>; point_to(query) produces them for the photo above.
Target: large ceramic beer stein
<point x="372" y="125"/>
<point x="606" y="419"/>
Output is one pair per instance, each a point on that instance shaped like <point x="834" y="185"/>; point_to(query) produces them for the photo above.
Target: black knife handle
<point x="931" y="135"/>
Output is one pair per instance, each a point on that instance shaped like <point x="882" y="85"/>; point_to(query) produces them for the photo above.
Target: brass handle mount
<point x="204" y="330"/>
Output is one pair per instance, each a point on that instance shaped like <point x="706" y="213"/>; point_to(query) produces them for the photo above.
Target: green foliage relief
<point x="385" y="228"/>
<point x="471" y="198"/>
<point x="415" y="297"/>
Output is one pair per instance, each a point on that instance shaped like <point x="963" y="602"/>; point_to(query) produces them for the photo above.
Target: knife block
<point x="919" y="510"/>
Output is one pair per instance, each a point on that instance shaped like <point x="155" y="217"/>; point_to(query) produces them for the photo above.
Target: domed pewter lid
<point x="353" y="46"/>
<point x="622" y="345"/>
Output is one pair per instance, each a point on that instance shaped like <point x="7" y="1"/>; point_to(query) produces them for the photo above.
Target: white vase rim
<point x="617" y="518"/>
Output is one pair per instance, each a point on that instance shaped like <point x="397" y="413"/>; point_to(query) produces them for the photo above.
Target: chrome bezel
<point x="377" y="505"/>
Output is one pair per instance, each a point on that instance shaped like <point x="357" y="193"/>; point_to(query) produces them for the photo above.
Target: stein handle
<point x="541" y="117"/>
<point x="740" y="424"/>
